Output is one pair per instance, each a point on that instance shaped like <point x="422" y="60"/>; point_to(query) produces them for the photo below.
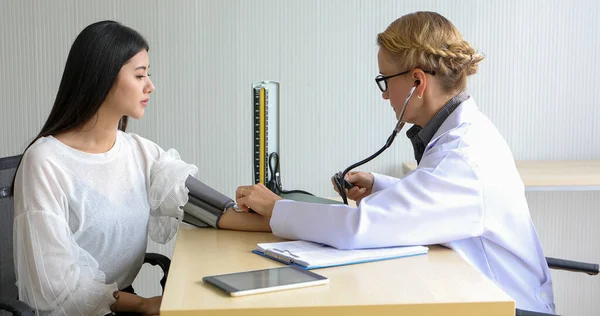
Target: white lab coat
<point x="465" y="194"/>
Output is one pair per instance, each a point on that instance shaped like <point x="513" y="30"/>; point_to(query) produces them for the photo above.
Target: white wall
<point x="537" y="84"/>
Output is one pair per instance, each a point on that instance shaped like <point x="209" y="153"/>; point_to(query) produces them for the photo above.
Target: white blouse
<point x="82" y="220"/>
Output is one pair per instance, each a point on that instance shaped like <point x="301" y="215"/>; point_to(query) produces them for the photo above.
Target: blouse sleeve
<point x="54" y="275"/>
<point x="167" y="194"/>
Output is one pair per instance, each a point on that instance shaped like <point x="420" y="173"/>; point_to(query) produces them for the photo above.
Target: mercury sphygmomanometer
<point x="266" y="137"/>
<point x="206" y="205"/>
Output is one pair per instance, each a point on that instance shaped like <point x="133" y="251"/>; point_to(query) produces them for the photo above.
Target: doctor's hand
<point x="363" y="185"/>
<point x="256" y="197"/>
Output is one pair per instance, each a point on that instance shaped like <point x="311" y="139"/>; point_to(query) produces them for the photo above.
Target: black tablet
<point x="266" y="280"/>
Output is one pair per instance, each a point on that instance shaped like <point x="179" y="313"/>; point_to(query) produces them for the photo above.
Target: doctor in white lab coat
<point x="465" y="193"/>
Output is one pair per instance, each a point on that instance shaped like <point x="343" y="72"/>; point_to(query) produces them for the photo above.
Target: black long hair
<point x="94" y="61"/>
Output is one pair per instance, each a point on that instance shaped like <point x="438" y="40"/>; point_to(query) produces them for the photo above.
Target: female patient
<point x="465" y="193"/>
<point x="87" y="194"/>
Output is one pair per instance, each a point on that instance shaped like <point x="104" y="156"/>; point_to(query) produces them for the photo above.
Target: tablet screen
<point x="264" y="279"/>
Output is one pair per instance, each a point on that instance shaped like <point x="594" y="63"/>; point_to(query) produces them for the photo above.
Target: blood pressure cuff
<point x="205" y="205"/>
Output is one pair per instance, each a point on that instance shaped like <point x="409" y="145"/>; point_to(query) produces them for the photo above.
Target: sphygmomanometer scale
<point x="266" y="126"/>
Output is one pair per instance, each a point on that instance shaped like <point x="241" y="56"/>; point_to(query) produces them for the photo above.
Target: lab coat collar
<point x="462" y="114"/>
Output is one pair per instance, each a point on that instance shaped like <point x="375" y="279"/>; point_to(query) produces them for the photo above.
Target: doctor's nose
<point x="385" y="95"/>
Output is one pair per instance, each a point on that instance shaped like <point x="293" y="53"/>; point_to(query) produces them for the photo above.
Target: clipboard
<point x="308" y="255"/>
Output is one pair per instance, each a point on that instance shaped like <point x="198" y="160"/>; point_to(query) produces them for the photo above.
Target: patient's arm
<point x="244" y="221"/>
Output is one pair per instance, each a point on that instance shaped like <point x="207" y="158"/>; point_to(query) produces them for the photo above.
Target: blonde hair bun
<point x="429" y="41"/>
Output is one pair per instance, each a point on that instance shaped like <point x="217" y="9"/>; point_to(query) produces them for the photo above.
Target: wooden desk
<point x="439" y="283"/>
<point x="559" y="175"/>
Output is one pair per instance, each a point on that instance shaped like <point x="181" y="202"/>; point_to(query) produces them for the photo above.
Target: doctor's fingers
<point x="247" y="190"/>
<point x="354" y="176"/>
<point x="361" y="179"/>
<point x="356" y="193"/>
<point x="241" y="197"/>
<point x="259" y="201"/>
<point x="257" y="192"/>
<point x="239" y="192"/>
<point x="242" y="203"/>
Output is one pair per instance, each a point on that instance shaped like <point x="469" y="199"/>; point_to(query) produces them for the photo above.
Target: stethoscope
<point x="340" y="177"/>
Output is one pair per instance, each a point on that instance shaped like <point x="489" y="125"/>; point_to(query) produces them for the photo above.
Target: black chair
<point x="8" y="288"/>
<point x="567" y="265"/>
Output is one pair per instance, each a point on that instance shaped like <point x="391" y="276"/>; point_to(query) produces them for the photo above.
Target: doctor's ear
<point x="420" y="82"/>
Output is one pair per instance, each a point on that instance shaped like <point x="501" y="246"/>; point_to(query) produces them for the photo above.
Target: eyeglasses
<point x="381" y="80"/>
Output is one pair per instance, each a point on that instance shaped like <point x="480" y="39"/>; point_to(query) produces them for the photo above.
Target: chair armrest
<point x="575" y="266"/>
<point x="521" y="312"/>
<point x="163" y="262"/>
<point x="15" y="307"/>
